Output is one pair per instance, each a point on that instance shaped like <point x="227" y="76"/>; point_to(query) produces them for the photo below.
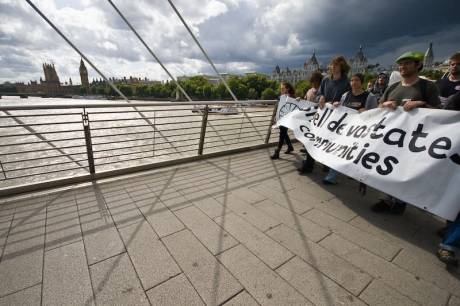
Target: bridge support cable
<point x="150" y="50"/>
<point x="97" y="70"/>
<point x="213" y="66"/>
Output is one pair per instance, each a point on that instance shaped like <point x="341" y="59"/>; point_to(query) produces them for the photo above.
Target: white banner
<point x="413" y="156"/>
<point x="287" y="105"/>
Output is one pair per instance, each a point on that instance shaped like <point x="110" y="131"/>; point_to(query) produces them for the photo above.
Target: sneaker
<point x="381" y="206"/>
<point x="289" y="150"/>
<point x="447" y="256"/>
<point x="275" y="155"/>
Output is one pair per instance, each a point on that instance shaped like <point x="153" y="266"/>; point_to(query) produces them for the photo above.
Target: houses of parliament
<point x="51" y="86"/>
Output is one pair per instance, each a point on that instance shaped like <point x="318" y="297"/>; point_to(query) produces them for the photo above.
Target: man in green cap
<point x="411" y="92"/>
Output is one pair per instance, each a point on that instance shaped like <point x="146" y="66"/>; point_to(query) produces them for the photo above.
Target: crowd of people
<point x="410" y="92"/>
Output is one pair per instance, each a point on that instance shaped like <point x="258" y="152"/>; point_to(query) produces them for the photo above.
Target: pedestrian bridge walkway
<point x="235" y="230"/>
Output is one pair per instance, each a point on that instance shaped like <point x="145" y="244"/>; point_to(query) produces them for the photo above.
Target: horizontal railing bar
<point x="108" y="105"/>
<point x="40" y="141"/>
<point x="141" y="125"/>
<point x="236" y="118"/>
<point x="141" y="118"/>
<point x="41" y="115"/>
<point x="145" y="157"/>
<point x="43" y="173"/>
<point x="37" y="124"/>
<point x="137" y="139"/>
<point x="42" y="133"/>
<point x="40" y="150"/>
<point x="43" y="157"/>
<point x="151" y="139"/>
<point x="235" y="138"/>
<point x="42" y="166"/>
<point x="122" y="134"/>
<point x="138" y="146"/>
<point x="145" y="151"/>
<point x="210" y="147"/>
<point x="141" y="111"/>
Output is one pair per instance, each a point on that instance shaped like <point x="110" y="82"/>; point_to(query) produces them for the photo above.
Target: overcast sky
<point x="239" y="35"/>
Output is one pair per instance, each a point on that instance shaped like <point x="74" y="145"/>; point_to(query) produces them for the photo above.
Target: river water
<point x="40" y="145"/>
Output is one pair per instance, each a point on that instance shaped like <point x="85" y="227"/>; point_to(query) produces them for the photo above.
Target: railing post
<point x="269" y="132"/>
<point x="89" y="144"/>
<point x="204" y="123"/>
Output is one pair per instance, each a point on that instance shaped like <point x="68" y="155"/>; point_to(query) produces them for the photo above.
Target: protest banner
<point x="413" y="156"/>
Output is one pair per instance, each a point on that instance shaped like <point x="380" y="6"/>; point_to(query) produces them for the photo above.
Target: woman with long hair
<point x="286" y="90"/>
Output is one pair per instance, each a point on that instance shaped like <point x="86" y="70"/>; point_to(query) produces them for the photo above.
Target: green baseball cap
<point x="411" y="55"/>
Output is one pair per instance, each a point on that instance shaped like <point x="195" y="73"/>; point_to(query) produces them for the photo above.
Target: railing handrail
<point x="123" y="104"/>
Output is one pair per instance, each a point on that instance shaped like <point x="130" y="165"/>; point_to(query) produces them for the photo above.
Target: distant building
<point x="83" y="75"/>
<point x="51" y="86"/>
<point x="296" y="75"/>
<point x="428" y="61"/>
<point x="359" y="62"/>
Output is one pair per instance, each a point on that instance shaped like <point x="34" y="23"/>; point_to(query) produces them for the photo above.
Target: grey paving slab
<point x="269" y="251"/>
<point x="22" y="270"/>
<point x="211" y="280"/>
<point x="66" y="279"/>
<point x="115" y="282"/>
<point x="102" y="244"/>
<point x="267" y="287"/>
<point x="408" y="284"/>
<point x="126" y="215"/>
<point x="285" y="199"/>
<point x="240" y="207"/>
<point x="314" y="285"/>
<point x="210" y="207"/>
<point x="248" y="195"/>
<point x="175" y="292"/>
<point x="27" y="297"/>
<point x="317" y="190"/>
<point x="174" y="200"/>
<point x="379" y="294"/>
<point x="347" y="275"/>
<point x="308" y="228"/>
<point x="242" y="299"/>
<point x="62" y="229"/>
<point x="149" y="256"/>
<point x="454" y="301"/>
<point x="212" y="236"/>
<point x="162" y="220"/>
<point x="429" y="270"/>
<point x="339" y="209"/>
<point x="371" y="243"/>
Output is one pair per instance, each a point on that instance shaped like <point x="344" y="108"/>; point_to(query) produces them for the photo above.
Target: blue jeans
<point x="331" y="175"/>
<point x="451" y="240"/>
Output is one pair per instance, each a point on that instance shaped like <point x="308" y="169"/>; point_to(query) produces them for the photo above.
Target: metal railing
<point x="50" y="145"/>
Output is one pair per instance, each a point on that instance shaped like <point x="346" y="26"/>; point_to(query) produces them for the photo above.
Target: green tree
<point x="301" y="88"/>
<point x="127" y="90"/>
<point x="252" y="94"/>
<point x="142" y="90"/>
<point x="269" y="94"/>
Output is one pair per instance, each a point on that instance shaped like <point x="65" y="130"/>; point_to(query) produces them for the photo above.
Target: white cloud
<point x="239" y="35"/>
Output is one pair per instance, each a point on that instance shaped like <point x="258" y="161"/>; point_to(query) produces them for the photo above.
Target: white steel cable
<point x="150" y="50"/>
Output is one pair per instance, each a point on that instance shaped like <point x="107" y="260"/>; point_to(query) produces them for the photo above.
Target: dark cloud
<point x="238" y="35"/>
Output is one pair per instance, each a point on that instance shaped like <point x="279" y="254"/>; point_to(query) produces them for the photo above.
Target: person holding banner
<point x="449" y="88"/>
<point x="286" y="90"/>
<point x="315" y="82"/>
<point x="331" y="90"/>
<point x="356" y="99"/>
<point x="411" y="92"/>
<point x="450" y="243"/>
